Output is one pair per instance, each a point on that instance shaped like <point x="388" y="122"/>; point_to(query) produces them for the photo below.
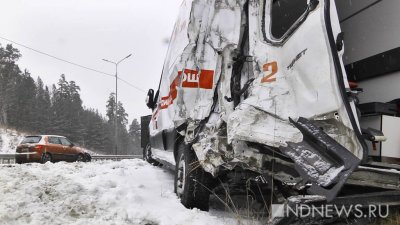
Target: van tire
<point x="147" y="156"/>
<point x="191" y="181"/>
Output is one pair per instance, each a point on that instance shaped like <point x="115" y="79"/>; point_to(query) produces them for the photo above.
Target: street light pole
<point x="116" y="98"/>
<point x="116" y="110"/>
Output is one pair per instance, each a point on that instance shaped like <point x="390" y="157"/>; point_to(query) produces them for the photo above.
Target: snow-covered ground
<point x="103" y="192"/>
<point x="9" y="139"/>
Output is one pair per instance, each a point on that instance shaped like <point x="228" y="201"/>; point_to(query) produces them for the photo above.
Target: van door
<point x="298" y="101"/>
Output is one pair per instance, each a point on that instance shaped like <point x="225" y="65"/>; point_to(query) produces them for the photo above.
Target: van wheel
<point x="46" y="157"/>
<point x="147" y="156"/>
<point x="191" y="181"/>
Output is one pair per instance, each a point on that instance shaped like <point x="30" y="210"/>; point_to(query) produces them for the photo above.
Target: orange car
<point x="49" y="148"/>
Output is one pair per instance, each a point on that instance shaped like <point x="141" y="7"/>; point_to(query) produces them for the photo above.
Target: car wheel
<point x="80" y="158"/>
<point x="88" y="157"/>
<point x="192" y="184"/>
<point x="46" y="157"/>
<point x="147" y="156"/>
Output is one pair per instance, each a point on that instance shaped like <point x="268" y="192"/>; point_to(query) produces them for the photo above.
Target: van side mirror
<point x="150" y="99"/>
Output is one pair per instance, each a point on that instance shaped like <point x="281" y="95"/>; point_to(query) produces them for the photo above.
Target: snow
<point x="163" y="155"/>
<point x="102" y="192"/>
<point x="9" y="139"/>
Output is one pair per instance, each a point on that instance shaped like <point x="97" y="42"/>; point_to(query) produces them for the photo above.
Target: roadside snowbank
<point x="104" y="192"/>
<point x="9" y="139"/>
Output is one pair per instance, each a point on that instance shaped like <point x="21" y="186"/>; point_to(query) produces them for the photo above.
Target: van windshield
<point x="31" y="139"/>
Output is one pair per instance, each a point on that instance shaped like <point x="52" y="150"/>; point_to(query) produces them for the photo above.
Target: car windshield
<point x="31" y="139"/>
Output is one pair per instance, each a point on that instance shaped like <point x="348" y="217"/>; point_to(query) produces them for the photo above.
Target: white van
<point x="298" y="92"/>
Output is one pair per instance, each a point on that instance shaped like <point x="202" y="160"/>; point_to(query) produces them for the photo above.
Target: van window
<point x="284" y="13"/>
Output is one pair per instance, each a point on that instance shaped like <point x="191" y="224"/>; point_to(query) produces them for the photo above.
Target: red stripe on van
<point x="190" y="79"/>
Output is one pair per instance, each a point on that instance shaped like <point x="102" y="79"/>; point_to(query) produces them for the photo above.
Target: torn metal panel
<point x="214" y="32"/>
<point x="321" y="160"/>
<point x="213" y="151"/>
<point x="251" y="124"/>
<point x="200" y="56"/>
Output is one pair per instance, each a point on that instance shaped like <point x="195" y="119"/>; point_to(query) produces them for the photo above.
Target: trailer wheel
<point x="191" y="181"/>
<point x="147" y="156"/>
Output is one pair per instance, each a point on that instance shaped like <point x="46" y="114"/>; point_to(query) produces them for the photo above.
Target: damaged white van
<point x="261" y="90"/>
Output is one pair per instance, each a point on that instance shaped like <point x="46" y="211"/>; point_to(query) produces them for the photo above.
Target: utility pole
<point x="116" y="99"/>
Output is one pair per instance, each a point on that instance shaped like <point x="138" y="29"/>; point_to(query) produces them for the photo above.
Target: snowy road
<point x="105" y="192"/>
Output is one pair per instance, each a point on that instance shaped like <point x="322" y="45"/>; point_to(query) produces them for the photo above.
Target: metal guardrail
<point x="7" y="158"/>
<point x="116" y="157"/>
<point x="10" y="157"/>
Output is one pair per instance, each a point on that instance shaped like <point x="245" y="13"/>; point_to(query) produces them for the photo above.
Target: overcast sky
<point x="86" y="31"/>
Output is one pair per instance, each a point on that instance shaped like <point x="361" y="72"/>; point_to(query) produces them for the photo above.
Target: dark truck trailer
<point x="271" y="89"/>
